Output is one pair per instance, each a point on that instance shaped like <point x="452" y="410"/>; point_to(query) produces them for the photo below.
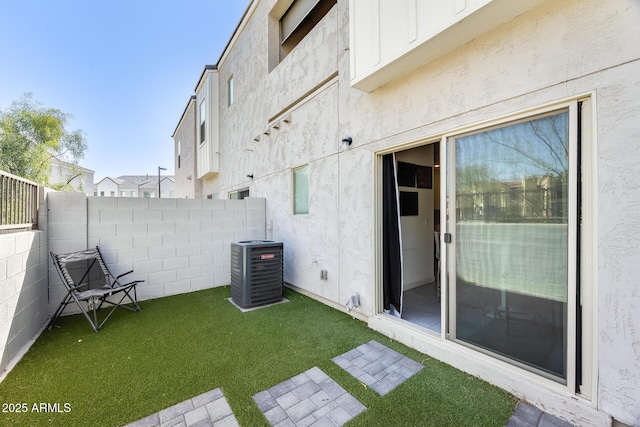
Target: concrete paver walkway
<point x="209" y="409"/>
<point x="309" y="399"/>
<point x="312" y="398"/>
<point x="378" y="366"/>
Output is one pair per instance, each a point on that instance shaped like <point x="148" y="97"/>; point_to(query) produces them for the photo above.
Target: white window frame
<point x="179" y="149"/>
<point x="230" y="91"/>
<point x="588" y="251"/>
<point x="293" y="191"/>
<point x="202" y="128"/>
<point x="236" y="193"/>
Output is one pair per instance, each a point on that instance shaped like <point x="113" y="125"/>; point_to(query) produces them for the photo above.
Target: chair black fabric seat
<point x="113" y="292"/>
<point x="95" y="293"/>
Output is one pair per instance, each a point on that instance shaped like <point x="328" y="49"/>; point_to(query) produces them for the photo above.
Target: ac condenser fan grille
<point x="256" y="272"/>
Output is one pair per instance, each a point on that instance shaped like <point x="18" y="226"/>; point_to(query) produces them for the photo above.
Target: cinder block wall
<point x="23" y="287"/>
<point x="23" y="290"/>
<point x="175" y="245"/>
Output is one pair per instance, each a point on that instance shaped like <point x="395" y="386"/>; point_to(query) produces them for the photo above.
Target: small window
<point x="299" y="20"/>
<point x="113" y="194"/>
<point x="95" y="193"/>
<point x="203" y="113"/>
<point x="301" y="191"/>
<point x="230" y="91"/>
<point x="239" y="194"/>
<point x="102" y="194"/>
<point x="179" y="143"/>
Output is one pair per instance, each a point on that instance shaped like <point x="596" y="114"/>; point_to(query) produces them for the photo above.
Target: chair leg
<point x="58" y="313"/>
<point x="94" y="322"/>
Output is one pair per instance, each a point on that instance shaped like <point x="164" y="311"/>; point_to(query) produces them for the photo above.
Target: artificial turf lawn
<point x="181" y="346"/>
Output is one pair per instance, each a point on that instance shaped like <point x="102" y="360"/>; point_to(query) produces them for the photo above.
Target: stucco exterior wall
<point x="555" y="51"/>
<point x="186" y="183"/>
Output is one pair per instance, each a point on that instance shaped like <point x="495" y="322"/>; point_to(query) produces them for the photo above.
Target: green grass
<point x="178" y="347"/>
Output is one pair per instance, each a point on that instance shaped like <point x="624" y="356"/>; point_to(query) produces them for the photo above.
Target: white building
<point x="77" y="177"/>
<point x="186" y="185"/>
<point x="136" y="186"/>
<point x="501" y="136"/>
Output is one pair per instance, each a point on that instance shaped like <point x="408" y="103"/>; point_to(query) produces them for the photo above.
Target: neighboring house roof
<point x="148" y="185"/>
<point x="136" y="181"/>
<point x="56" y="161"/>
<point x="110" y="179"/>
<point x="204" y="71"/>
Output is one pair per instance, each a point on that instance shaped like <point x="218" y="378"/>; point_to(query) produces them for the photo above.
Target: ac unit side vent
<point x="256" y="272"/>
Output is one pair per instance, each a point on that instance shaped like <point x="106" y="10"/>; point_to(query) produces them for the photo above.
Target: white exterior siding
<point x="551" y="52"/>
<point x="392" y="38"/>
<point x="106" y="187"/>
<point x="187" y="185"/>
<point x="208" y="144"/>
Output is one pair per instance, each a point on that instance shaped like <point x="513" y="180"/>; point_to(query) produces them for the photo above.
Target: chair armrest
<point x="124" y="274"/>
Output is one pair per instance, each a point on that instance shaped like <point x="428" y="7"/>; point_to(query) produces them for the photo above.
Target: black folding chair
<point x="112" y="292"/>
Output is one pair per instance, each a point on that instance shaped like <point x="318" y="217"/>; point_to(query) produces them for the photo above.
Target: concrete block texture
<point x="133" y="203"/>
<point x="23" y="291"/>
<point x="163" y="204"/>
<point x="175" y="245"/>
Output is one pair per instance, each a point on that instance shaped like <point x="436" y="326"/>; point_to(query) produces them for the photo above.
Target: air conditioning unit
<point x="256" y="272"/>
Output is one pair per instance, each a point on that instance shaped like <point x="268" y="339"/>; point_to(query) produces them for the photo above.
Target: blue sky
<point x="124" y="69"/>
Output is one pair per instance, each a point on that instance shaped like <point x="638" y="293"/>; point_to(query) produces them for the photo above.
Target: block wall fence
<point x="174" y="245"/>
<point x="23" y="288"/>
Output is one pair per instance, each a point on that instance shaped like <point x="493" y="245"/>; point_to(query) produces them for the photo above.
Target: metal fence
<point x="18" y="203"/>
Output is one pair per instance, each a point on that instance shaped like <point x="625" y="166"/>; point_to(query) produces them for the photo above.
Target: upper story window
<point x="179" y="149"/>
<point x="291" y="24"/>
<point x="230" y="91"/>
<point x="203" y="114"/>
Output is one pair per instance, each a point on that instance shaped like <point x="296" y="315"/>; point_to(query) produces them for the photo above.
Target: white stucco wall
<point x="186" y="185"/>
<point x="555" y="51"/>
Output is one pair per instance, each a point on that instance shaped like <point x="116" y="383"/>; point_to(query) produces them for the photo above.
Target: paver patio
<point x="378" y="366"/>
<point x="312" y="398"/>
<point x="207" y="409"/>
<point x="309" y="399"/>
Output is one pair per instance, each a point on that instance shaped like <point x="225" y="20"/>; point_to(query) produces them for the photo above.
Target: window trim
<point x="588" y="251"/>
<point x="306" y="15"/>
<point x="293" y="190"/>
<point x="203" y="115"/>
<point x="230" y="92"/>
<point x="239" y="192"/>
<point x="179" y="149"/>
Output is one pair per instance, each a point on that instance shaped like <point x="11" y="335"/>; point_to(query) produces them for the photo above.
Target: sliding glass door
<point x="512" y="216"/>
